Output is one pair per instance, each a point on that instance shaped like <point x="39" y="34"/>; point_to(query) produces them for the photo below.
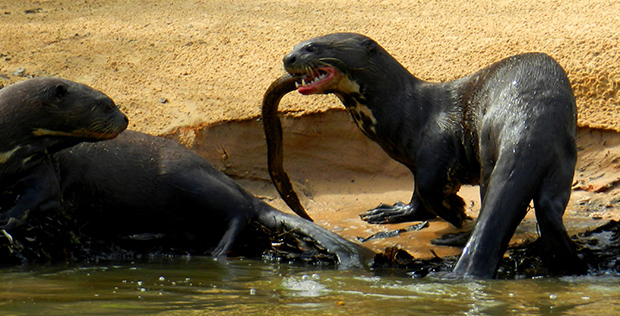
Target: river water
<point x="202" y="286"/>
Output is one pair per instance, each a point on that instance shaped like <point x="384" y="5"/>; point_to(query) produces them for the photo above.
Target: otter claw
<point x="387" y="213"/>
<point x="397" y="213"/>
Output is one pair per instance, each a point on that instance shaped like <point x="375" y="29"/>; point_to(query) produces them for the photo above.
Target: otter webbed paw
<point x="397" y="213"/>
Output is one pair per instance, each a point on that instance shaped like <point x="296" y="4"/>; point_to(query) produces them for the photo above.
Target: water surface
<point x="202" y="286"/>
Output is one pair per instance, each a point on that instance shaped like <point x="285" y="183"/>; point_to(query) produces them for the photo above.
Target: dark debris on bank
<point x="599" y="248"/>
<point x="56" y="238"/>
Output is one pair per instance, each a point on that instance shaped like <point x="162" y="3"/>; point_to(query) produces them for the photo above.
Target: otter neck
<point x="373" y="94"/>
<point x="394" y="109"/>
<point x="375" y="103"/>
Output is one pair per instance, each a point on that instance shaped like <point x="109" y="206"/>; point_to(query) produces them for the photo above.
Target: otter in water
<point x="509" y="127"/>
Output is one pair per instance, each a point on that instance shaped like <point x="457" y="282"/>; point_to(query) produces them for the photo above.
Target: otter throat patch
<point x="364" y="119"/>
<point x="350" y="95"/>
<point x="5" y="156"/>
<point x="47" y="132"/>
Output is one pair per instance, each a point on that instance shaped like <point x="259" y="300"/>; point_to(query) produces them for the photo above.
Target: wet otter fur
<point x="509" y="127"/>
<point x="154" y="188"/>
<point x="38" y="117"/>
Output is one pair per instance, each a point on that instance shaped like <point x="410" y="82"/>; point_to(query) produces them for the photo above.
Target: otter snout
<point x="293" y="61"/>
<point x="289" y="59"/>
<point x="299" y="54"/>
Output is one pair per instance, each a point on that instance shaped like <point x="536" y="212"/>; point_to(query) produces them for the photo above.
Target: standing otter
<point x="142" y="185"/>
<point x="39" y="117"/>
<point x="509" y="127"/>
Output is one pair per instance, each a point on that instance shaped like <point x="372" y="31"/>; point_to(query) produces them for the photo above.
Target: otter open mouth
<point x="314" y="81"/>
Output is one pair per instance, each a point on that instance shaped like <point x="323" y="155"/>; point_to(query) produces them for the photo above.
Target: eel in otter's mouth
<point x="273" y="133"/>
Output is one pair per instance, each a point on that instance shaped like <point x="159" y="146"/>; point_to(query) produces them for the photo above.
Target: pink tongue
<point x="312" y="88"/>
<point x="307" y="89"/>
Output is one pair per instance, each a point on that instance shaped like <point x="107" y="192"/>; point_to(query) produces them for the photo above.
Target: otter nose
<point x="300" y="53"/>
<point x="289" y="59"/>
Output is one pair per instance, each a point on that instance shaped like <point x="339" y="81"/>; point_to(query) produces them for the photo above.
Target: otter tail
<point x="350" y="255"/>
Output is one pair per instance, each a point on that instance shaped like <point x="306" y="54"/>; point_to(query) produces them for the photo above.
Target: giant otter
<point x="509" y="127"/>
<point x="142" y="185"/>
<point x="38" y="117"/>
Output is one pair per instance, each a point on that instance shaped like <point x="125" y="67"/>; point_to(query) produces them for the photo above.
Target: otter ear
<point x="371" y="46"/>
<point x="61" y="91"/>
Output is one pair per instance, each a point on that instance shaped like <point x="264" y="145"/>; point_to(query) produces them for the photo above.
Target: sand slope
<point x="175" y="63"/>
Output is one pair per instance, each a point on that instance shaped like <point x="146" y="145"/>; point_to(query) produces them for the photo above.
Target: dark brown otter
<point x="509" y="127"/>
<point x="38" y="117"/>
<point x="142" y="185"/>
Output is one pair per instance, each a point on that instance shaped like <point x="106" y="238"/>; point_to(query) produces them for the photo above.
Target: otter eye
<point x="371" y="46"/>
<point x="310" y="48"/>
<point x="108" y="106"/>
<point x="61" y="91"/>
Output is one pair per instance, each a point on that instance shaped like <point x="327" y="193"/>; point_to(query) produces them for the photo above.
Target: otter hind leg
<point x="557" y="251"/>
<point x="504" y="206"/>
<point x="213" y="205"/>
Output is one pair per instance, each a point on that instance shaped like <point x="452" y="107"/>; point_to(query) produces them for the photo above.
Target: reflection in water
<point x="202" y="286"/>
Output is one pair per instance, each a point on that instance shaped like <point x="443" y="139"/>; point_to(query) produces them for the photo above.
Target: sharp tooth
<point x="303" y="82"/>
<point x="296" y="84"/>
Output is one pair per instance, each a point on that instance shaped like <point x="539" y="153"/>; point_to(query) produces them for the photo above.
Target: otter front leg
<point x="38" y="191"/>
<point x="398" y="213"/>
<point x="448" y="206"/>
<point x="433" y="196"/>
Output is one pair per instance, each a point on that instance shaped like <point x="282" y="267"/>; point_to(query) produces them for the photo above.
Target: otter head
<point x="55" y="107"/>
<point x="341" y="63"/>
<point x="44" y="115"/>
